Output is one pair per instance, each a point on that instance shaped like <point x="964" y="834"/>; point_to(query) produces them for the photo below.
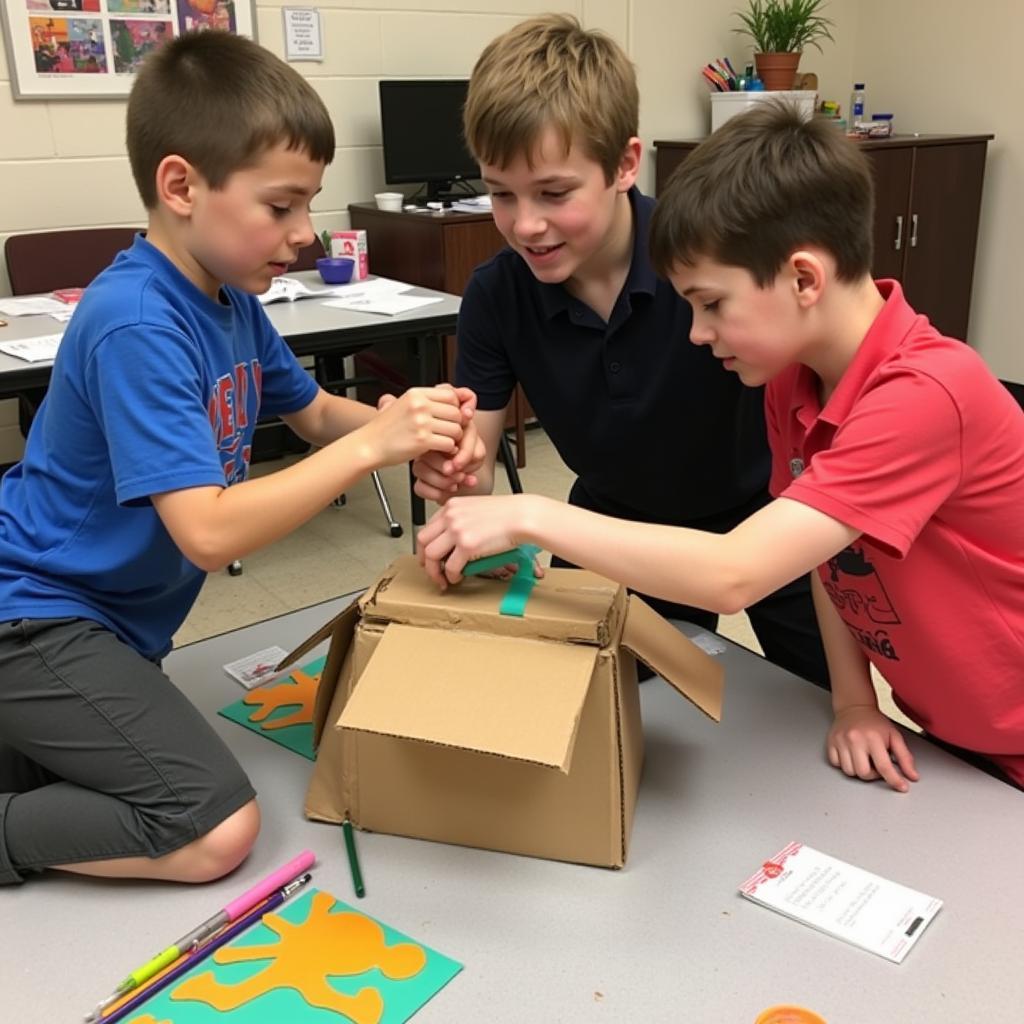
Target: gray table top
<point x="667" y="939"/>
<point x="296" y="322"/>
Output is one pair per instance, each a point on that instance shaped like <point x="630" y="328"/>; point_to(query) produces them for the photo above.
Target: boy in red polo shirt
<point x="898" y="459"/>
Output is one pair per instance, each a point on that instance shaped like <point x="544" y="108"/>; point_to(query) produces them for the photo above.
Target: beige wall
<point x="938" y="65"/>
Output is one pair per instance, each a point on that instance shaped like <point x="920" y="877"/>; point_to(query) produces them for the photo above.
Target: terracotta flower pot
<point x="777" y="70"/>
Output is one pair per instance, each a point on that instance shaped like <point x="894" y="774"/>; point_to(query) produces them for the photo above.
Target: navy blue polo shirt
<point x="653" y="426"/>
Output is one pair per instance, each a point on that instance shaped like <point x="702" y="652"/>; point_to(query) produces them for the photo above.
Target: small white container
<point x="389" y="200"/>
<point x="728" y="104"/>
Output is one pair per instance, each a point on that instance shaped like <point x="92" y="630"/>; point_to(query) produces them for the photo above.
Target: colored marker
<point x="234" y="910"/>
<point x="353" y="858"/>
<point x="211" y="946"/>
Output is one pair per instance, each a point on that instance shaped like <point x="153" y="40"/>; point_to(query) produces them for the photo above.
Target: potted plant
<point x="780" y="30"/>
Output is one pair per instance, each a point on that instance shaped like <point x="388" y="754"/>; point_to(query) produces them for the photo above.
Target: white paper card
<point x="257" y="668"/>
<point x="32" y="306"/>
<point x="709" y="643"/>
<point x="39" y="349"/>
<point x="388" y="305"/>
<point x="839" y="899"/>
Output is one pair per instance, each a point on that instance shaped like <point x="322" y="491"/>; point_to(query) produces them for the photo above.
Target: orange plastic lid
<point x="789" y="1015"/>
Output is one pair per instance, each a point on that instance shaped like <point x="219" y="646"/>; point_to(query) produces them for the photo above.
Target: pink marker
<point x="278" y="880"/>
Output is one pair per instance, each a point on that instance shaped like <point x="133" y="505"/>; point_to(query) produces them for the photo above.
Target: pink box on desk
<point x="353" y="244"/>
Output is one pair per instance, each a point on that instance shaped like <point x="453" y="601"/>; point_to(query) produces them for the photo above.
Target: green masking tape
<point x="520" y="586"/>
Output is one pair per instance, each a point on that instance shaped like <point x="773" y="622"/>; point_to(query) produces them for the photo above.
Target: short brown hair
<point x="549" y="72"/>
<point x="220" y="101"/>
<point x="763" y="185"/>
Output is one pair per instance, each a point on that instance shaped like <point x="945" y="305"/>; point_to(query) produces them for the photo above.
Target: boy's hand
<point x="439" y="476"/>
<point x="421" y="420"/>
<point x="863" y="743"/>
<point x="468" y="528"/>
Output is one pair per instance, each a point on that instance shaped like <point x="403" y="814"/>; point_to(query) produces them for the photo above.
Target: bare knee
<point x="222" y="849"/>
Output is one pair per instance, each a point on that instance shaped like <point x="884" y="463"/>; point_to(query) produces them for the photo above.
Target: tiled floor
<point x="345" y="548"/>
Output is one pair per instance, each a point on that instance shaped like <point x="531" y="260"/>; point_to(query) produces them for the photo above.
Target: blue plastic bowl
<point x="336" y="269"/>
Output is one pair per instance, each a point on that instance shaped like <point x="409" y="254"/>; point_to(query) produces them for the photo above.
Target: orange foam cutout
<point x="324" y="945"/>
<point x="299" y="688"/>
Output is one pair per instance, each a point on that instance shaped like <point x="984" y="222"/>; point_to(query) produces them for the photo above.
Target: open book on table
<point x="289" y="289"/>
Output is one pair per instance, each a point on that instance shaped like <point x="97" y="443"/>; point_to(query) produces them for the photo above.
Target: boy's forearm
<point x="723" y="573"/>
<point x="685" y="566"/>
<point x="848" y="668"/>
<point x="336" y="417"/>
<point x="248" y="516"/>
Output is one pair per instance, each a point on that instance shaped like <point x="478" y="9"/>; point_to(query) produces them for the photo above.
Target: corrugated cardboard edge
<point x="449" y="612"/>
<point x="682" y="664"/>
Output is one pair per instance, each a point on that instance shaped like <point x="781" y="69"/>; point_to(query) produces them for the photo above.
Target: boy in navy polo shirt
<point x="653" y="428"/>
<point x="897" y="465"/>
<point x="122" y="502"/>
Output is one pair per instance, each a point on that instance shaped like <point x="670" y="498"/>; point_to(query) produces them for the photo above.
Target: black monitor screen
<point x="421" y="126"/>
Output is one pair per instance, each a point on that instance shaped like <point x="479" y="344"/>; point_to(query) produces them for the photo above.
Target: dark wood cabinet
<point x="927" y="208"/>
<point x="440" y="251"/>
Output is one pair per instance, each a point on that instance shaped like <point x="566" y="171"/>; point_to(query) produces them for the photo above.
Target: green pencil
<point x="353" y="858"/>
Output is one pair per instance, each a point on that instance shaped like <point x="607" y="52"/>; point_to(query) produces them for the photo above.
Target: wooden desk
<point x="667" y="940"/>
<point x="308" y="326"/>
<point x="437" y="250"/>
<point x="927" y="210"/>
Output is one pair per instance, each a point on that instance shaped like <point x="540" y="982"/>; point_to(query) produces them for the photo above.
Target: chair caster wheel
<point x="396" y="531"/>
<point x="235" y="569"/>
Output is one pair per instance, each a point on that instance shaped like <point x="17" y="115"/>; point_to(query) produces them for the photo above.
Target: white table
<point x="667" y="939"/>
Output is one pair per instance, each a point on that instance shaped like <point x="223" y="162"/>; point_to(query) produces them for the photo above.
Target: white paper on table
<point x="63" y="315"/>
<point x="371" y="288"/>
<point x="839" y="899"/>
<point x="33" y="350"/>
<point x="257" y="668"/>
<point x="389" y="305"/>
<point x="31" y="306"/>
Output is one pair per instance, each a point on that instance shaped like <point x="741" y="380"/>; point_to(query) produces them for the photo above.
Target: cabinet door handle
<point x="913" y="230"/>
<point x="898" y="243"/>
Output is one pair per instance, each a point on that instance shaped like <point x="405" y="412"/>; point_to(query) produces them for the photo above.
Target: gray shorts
<point x="101" y="756"/>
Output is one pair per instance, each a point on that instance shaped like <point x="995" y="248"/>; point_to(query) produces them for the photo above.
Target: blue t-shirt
<point x="156" y="387"/>
<point x="653" y="426"/>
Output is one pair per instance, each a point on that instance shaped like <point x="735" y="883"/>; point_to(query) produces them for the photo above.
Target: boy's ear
<point x="629" y="165"/>
<point x="175" y="182"/>
<point x="808" y="274"/>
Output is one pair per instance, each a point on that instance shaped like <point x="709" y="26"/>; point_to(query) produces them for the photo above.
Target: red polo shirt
<point x="921" y="449"/>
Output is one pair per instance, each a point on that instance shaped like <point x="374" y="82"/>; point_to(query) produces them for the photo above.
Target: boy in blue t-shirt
<point x="133" y="484"/>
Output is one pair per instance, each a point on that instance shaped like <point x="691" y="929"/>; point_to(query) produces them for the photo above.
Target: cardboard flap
<point x="568" y="604"/>
<point x="510" y="697"/>
<point x="682" y="664"/>
<point x="322" y="634"/>
<point x="344" y="626"/>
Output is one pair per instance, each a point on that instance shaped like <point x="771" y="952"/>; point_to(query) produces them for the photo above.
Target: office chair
<point x="45" y="260"/>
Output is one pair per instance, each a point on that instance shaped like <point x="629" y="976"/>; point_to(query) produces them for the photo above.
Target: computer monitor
<point x="421" y="126"/>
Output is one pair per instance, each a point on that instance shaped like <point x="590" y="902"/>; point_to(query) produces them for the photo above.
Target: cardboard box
<point x="439" y="718"/>
<point x="352" y="244"/>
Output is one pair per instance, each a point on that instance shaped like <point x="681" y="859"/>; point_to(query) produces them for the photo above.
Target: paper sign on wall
<point x="302" y="37"/>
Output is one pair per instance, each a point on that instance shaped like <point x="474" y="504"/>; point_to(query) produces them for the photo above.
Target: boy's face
<point x="755" y="331"/>
<point x="559" y="214"/>
<point x="248" y="231"/>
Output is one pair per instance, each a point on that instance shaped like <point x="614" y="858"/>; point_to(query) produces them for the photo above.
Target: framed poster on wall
<point x="88" y="49"/>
